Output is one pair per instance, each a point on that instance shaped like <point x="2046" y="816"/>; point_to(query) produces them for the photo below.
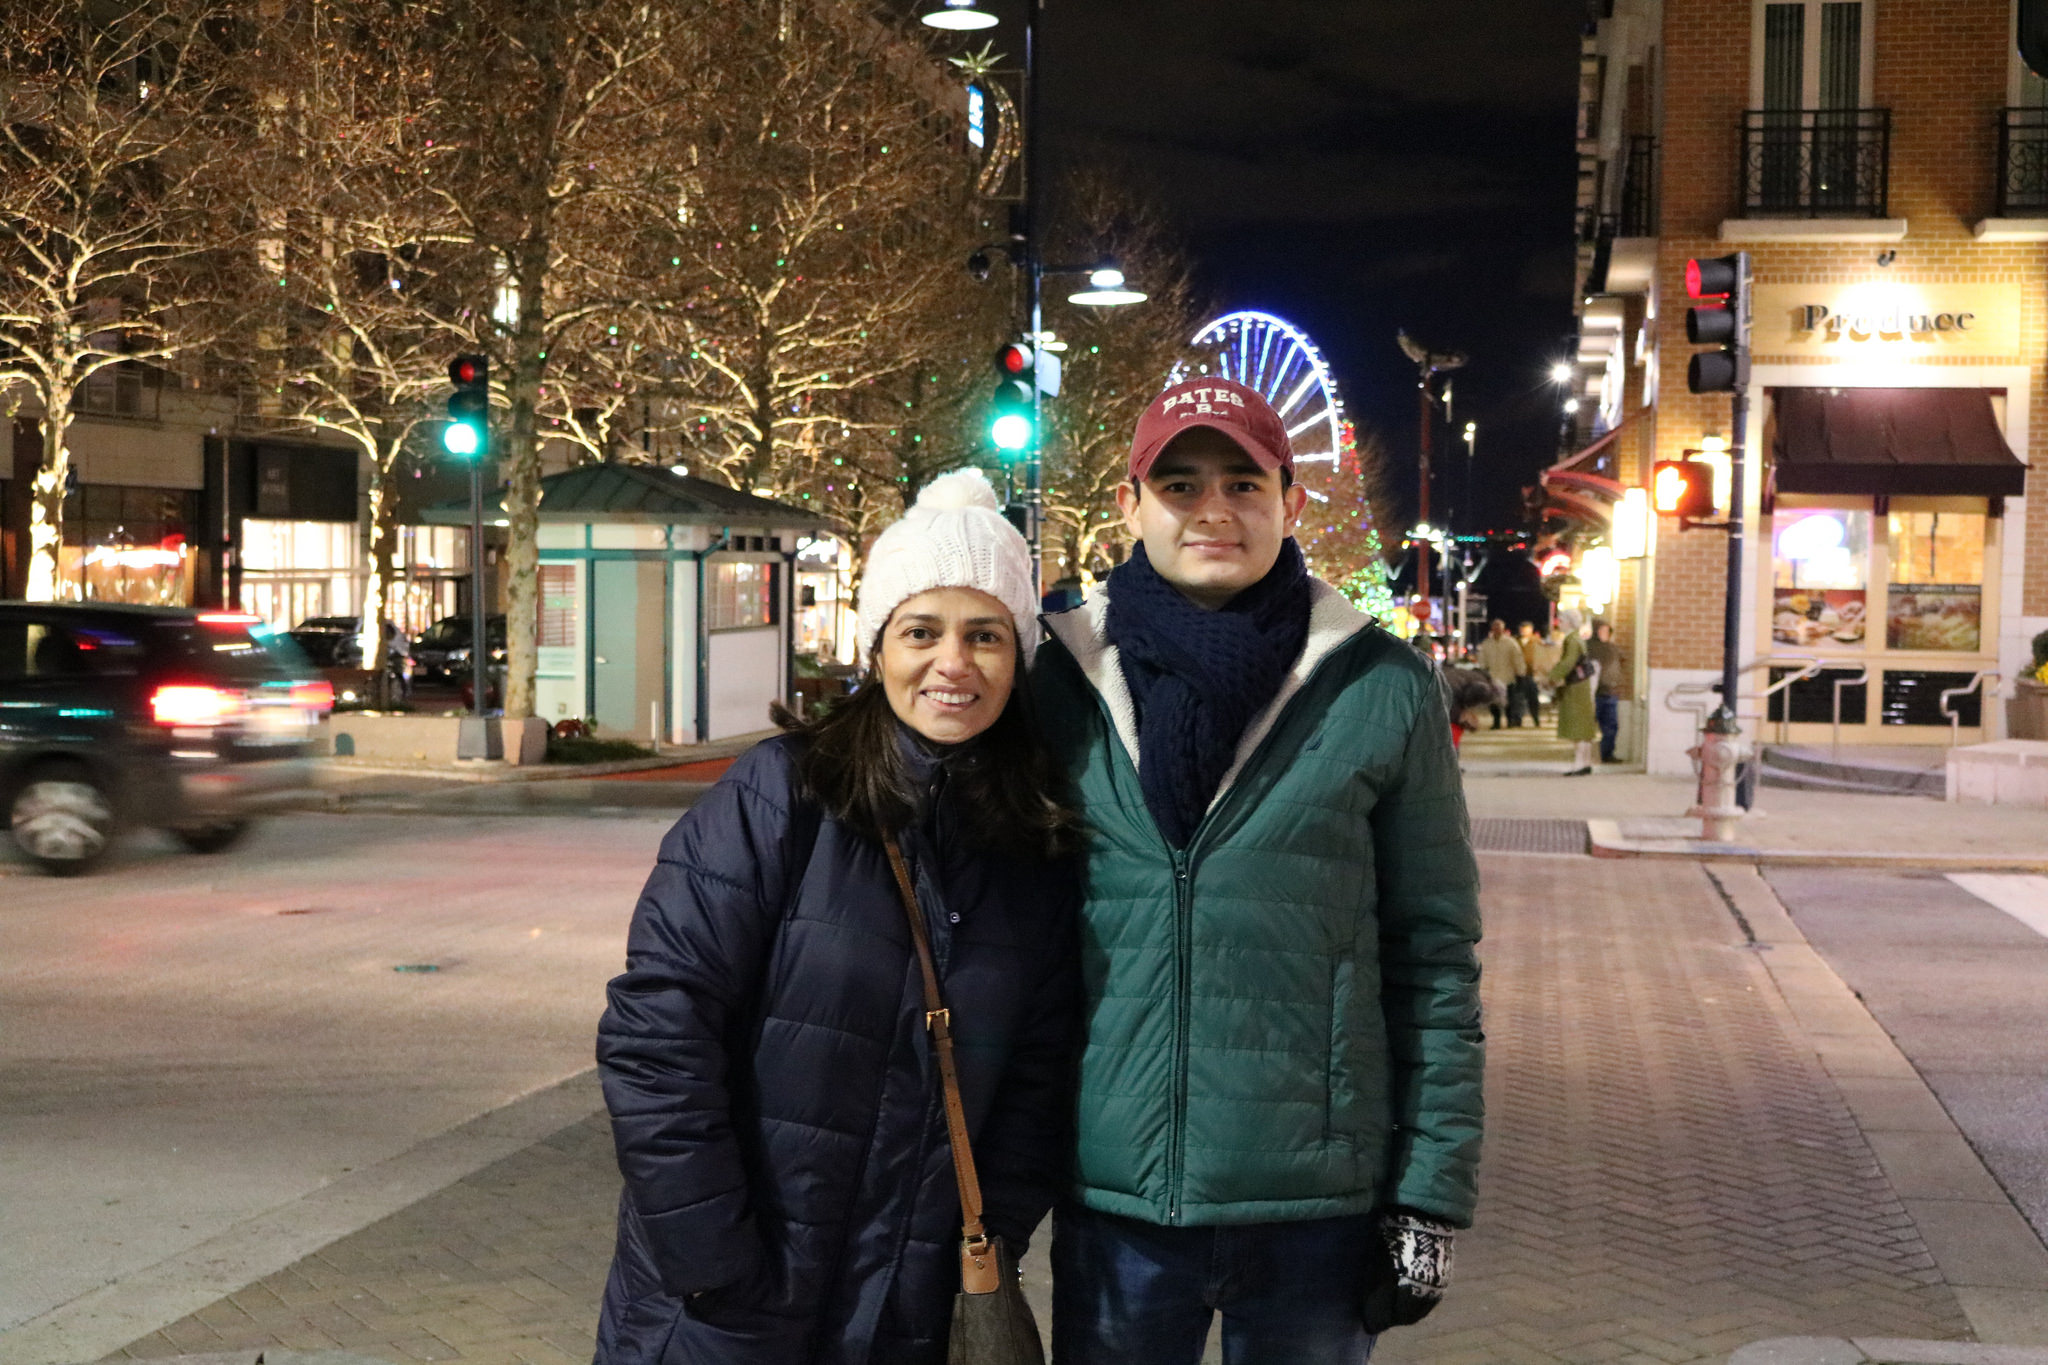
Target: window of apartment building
<point x="740" y="596"/>
<point x="1811" y="54"/>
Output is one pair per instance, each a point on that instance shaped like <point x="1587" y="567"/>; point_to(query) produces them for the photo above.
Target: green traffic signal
<point x="468" y="431"/>
<point x="1011" y="431"/>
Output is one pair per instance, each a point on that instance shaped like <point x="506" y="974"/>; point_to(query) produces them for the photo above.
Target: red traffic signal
<point x="1682" y="489"/>
<point x="1014" y="359"/>
<point x="1715" y="277"/>
<point x="469" y="371"/>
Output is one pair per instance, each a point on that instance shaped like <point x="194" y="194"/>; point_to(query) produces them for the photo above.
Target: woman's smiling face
<point x="948" y="661"/>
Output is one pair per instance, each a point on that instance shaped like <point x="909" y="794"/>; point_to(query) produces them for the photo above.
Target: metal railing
<point x="1816" y="163"/>
<point x="2023" y="163"/>
<point x="1638" y="215"/>
<point x="1955" y="720"/>
<point x="1706" y="691"/>
<point x="1860" y="678"/>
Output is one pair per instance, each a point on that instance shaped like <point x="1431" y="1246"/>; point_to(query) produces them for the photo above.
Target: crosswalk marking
<point x="2024" y="897"/>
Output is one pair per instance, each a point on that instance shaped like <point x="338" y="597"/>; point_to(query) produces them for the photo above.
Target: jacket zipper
<point x="1184" y="862"/>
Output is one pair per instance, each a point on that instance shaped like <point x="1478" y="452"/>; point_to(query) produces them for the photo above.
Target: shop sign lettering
<point x="1894" y="319"/>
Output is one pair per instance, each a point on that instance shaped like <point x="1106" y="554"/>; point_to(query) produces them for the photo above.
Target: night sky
<point x="1355" y="168"/>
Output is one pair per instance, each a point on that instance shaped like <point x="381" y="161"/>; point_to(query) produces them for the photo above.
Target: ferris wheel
<point x="1275" y="357"/>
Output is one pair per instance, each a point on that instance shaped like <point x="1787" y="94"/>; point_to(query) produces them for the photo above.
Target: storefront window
<point x="1820" y="560"/>
<point x="128" y="545"/>
<point x="295" y="570"/>
<point x="1937" y="577"/>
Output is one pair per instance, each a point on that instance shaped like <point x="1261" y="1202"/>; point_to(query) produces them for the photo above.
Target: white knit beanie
<point x="954" y="536"/>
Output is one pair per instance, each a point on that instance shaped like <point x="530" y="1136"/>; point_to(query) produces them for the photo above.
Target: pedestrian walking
<point x="1531" y="645"/>
<point x="1602" y="650"/>
<point x="1280" y="1103"/>
<point x="776" y="1096"/>
<point x="1502" y="660"/>
<point x="1571" y="680"/>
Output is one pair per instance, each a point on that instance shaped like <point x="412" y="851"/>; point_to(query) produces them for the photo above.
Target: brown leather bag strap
<point x="939" y="1020"/>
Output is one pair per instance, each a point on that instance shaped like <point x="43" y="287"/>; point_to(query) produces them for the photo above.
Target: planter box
<point x="2026" y="715"/>
<point x="2008" y="772"/>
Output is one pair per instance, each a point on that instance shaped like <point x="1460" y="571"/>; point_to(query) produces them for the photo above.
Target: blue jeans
<point x="1607" y="712"/>
<point x="1132" y="1293"/>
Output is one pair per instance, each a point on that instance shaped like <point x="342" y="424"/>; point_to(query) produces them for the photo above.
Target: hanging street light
<point x="1106" y="289"/>
<point x="959" y="15"/>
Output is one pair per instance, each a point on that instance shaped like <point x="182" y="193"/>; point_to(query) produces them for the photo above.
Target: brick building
<point x="1885" y="165"/>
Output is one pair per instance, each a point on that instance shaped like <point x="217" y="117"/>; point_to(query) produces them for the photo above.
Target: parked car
<point x="333" y="644"/>
<point x="174" y="717"/>
<point x="440" y="653"/>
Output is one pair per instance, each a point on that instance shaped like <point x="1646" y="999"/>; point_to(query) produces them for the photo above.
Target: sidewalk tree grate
<point x="1529" y="836"/>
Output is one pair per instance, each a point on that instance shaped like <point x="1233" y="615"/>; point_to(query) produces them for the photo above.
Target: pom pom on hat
<point x="959" y="489"/>
<point x="953" y="536"/>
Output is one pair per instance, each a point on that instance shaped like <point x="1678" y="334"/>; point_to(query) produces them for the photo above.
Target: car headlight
<point x="456" y="656"/>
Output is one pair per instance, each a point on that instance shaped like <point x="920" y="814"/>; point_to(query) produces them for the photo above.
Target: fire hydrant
<point x="1719" y="757"/>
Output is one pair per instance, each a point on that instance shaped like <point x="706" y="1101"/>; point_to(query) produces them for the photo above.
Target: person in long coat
<point x="1576" y="720"/>
<point x="789" y="1194"/>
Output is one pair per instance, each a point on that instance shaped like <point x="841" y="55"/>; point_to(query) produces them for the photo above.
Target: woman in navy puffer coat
<point x="789" y="1191"/>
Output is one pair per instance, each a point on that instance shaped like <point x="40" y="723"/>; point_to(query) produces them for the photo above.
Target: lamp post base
<point x="480" y="737"/>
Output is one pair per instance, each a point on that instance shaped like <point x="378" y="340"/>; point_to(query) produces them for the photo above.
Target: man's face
<point x="1497" y="629"/>
<point x="1211" y="519"/>
<point x="1528" y="631"/>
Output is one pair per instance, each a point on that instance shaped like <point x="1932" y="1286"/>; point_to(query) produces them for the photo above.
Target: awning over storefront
<point x="1893" y="442"/>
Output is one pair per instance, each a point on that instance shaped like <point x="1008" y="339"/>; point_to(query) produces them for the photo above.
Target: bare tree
<point x="119" y="133"/>
<point x="362" y="283"/>
<point x="1117" y="360"/>
<point x="822" y="223"/>
<point x="557" y="117"/>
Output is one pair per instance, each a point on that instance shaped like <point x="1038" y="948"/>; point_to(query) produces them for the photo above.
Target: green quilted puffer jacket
<point x="1283" y="1018"/>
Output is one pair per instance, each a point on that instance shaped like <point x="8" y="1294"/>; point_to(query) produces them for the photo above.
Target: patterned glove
<point x="1419" y="1252"/>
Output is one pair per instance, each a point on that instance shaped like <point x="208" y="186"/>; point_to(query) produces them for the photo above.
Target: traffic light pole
<point x="479" y="642"/>
<point x="1034" y="275"/>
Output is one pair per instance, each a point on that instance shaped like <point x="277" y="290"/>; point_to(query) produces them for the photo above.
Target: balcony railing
<point x="1638" y="216"/>
<point x="1816" y="163"/>
<point x="2023" y="163"/>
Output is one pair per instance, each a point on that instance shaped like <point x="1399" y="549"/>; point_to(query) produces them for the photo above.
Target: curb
<point x="1607" y="841"/>
<point x="1985" y="1251"/>
<point x="271" y="1355"/>
<point x="1879" y="1351"/>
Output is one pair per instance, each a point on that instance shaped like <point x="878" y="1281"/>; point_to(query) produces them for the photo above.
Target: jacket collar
<point x="1084" y="630"/>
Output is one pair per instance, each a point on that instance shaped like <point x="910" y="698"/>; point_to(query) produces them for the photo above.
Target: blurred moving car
<point x="333" y="644"/>
<point x="173" y="717"/>
<point x="440" y="653"/>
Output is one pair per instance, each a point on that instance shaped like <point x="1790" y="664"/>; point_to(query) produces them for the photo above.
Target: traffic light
<point x="468" y="432"/>
<point x="1011" y="423"/>
<point x="1682" y="489"/>
<point x="1724" y="323"/>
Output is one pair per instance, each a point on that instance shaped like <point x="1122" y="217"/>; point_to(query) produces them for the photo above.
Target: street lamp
<point x="960" y="16"/>
<point x="1106" y="289"/>
<point x="1561" y="372"/>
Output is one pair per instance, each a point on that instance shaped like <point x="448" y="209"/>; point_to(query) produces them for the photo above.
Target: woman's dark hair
<point x="1010" y="797"/>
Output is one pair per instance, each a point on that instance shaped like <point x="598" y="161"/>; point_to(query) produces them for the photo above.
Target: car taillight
<point x="228" y="618"/>
<point x="313" y="696"/>
<point x="186" y="705"/>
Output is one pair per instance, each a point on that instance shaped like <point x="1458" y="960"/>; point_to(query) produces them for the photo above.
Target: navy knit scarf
<point x="1198" y="677"/>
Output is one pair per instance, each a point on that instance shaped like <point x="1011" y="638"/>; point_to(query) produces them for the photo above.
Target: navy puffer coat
<point x="775" y="1101"/>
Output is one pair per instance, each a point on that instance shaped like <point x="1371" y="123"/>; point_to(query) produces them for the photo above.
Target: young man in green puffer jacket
<point x="1279" y="1111"/>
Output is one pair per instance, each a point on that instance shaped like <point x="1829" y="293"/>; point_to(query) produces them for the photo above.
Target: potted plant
<point x="2027" y="718"/>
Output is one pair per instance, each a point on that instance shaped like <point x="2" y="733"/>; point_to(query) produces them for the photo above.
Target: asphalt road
<point x="188" y="1043"/>
<point x="1956" y="970"/>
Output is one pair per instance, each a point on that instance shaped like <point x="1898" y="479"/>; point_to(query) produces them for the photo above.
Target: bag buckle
<point x="939" y="1022"/>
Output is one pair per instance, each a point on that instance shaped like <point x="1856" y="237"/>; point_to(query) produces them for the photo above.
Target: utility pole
<point x="1428" y="365"/>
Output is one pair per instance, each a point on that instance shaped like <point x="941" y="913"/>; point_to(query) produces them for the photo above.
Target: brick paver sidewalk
<point x="1669" y="1175"/>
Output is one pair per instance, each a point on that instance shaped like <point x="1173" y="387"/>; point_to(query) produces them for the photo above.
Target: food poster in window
<point x="1935" y="616"/>
<point x="1818" y="616"/>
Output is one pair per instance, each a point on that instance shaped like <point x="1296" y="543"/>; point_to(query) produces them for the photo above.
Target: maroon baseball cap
<point x="1224" y="405"/>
